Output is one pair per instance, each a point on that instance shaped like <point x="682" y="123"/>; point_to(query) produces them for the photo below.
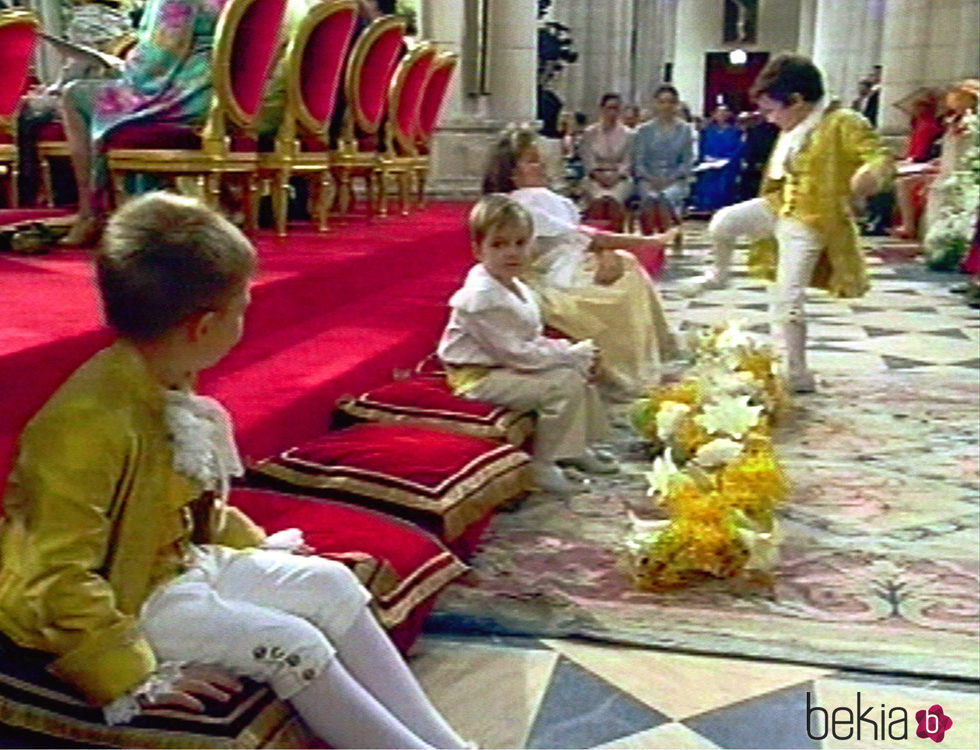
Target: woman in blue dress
<point x="721" y="145"/>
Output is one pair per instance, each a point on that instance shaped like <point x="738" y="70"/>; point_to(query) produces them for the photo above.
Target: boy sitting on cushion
<point x="495" y="350"/>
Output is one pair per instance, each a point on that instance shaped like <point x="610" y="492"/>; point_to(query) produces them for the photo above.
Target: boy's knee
<point x="566" y="382"/>
<point x="287" y="654"/>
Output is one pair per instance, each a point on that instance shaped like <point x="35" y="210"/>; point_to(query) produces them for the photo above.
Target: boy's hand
<point x="196" y="680"/>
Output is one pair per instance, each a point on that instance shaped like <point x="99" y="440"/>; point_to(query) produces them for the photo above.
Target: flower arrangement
<point x="948" y="238"/>
<point x="715" y="473"/>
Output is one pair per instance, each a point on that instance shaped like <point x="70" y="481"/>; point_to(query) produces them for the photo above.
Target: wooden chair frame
<point x="215" y="158"/>
<point x="423" y="140"/>
<point x="401" y="152"/>
<point x="288" y="156"/>
<point x="349" y="160"/>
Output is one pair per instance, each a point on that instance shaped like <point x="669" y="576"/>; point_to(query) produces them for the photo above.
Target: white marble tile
<point x="671" y="735"/>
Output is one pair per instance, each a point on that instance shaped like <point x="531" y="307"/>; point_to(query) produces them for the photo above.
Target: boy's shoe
<point x="549" y="478"/>
<point x="701" y="284"/>
<point x="593" y="463"/>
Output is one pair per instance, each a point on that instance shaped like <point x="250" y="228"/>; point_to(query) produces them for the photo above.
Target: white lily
<point x="719" y="452"/>
<point x="664" y="474"/>
<point x="733" y="337"/>
<point x="730" y="415"/>
<point x="669" y="416"/>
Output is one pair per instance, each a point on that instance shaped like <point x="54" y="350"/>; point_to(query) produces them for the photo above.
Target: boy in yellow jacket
<point x="825" y="160"/>
<point x="118" y="553"/>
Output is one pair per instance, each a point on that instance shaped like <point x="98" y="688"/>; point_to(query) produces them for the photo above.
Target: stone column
<point x="470" y="120"/>
<point x="847" y="42"/>
<point x="926" y="43"/>
<point x="807" y="27"/>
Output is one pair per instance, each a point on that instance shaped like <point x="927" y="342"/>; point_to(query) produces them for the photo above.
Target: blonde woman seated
<point x="588" y="287"/>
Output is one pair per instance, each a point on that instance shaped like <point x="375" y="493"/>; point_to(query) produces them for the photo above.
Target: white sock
<point x="343" y="714"/>
<point x="373" y="660"/>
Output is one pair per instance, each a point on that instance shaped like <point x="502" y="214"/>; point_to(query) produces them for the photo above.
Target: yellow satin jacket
<point x="816" y="190"/>
<point x="95" y="518"/>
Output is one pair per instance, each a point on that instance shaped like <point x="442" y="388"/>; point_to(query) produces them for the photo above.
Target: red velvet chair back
<point x="316" y="57"/>
<point x="405" y="99"/>
<point x="18" y="31"/>
<point x="246" y="40"/>
<point x="370" y="69"/>
<point x="435" y="94"/>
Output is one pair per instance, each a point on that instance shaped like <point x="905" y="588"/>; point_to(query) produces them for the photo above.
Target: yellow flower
<point x="731" y="416"/>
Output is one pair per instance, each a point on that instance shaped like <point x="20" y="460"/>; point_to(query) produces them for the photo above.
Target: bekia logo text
<point x="868" y="721"/>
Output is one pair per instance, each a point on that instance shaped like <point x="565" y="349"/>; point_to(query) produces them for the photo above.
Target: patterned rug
<point x="879" y="565"/>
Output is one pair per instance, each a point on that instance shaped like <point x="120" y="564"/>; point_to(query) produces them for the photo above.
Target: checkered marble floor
<point x="516" y="693"/>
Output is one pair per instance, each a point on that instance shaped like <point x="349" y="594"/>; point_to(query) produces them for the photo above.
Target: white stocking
<point x="342" y="713"/>
<point x="372" y="660"/>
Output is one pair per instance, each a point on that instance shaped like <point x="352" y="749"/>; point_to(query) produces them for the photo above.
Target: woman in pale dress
<point x="606" y="149"/>
<point x="587" y="285"/>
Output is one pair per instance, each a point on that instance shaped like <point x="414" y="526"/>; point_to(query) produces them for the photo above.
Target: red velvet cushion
<point x="5" y="137"/>
<point x="51" y="131"/>
<point x="323" y="63"/>
<point x="428" y="400"/>
<point x="432" y="99"/>
<point x="400" y="564"/>
<point x="252" y="52"/>
<point x="411" y="94"/>
<point x="441" y="480"/>
<point x="379" y="66"/>
<point x="16" y="47"/>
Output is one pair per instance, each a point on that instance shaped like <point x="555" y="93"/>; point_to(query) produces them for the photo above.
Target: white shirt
<point x="791" y="141"/>
<point x="555" y="216"/>
<point x="490" y="325"/>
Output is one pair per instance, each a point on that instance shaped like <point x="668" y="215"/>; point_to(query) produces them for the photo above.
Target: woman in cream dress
<point x="588" y="286"/>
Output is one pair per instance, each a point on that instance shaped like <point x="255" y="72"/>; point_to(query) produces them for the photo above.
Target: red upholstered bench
<point x="443" y="481"/>
<point x="427" y="400"/>
<point x="403" y="566"/>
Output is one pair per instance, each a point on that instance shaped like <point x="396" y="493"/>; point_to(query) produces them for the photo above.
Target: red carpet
<point x="331" y="314"/>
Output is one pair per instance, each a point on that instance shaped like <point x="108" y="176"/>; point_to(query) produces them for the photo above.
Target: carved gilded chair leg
<point x="12" y="186"/>
<point x="280" y="200"/>
<point x="382" y="177"/>
<point x="421" y="175"/>
<point x="403" y="179"/>
<point x="328" y="192"/>
<point x="370" y="194"/>
<point x="251" y="202"/>
<point x="47" y="184"/>
<point x="345" y="191"/>
<point x="212" y="190"/>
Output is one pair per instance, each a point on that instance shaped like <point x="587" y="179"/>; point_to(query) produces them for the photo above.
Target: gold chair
<point x="246" y="39"/>
<point x="404" y="103"/>
<point x="314" y="70"/>
<point x="18" y="33"/>
<point x="436" y="89"/>
<point x="369" y="72"/>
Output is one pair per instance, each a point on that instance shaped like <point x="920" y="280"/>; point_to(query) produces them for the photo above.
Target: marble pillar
<point x="847" y="42"/>
<point x="471" y="119"/>
<point x="926" y="43"/>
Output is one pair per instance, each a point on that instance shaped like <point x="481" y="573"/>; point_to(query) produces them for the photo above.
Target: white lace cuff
<point x="124" y="708"/>
<point x="287" y="540"/>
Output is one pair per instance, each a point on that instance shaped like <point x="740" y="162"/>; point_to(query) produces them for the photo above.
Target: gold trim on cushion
<point x="429" y="586"/>
<point x="461" y="504"/>
<point x="511" y="426"/>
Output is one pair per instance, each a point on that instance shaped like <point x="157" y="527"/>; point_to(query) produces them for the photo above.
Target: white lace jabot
<point x="203" y="441"/>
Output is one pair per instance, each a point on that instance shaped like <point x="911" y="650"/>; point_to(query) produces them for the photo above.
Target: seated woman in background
<point x="663" y="156"/>
<point x="587" y="288"/>
<point x="720" y="155"/>
<point x="960" y="100"/>
<point x="166" y="77"/>
<point x="927" y="129"/>
<point x="606" y="150"/>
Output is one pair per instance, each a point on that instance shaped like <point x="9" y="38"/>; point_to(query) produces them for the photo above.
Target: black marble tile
<point x="874" y="331"/>
<point x="950" y="333"/>
<point x="581" y="710"/>
<point x="773" y="720"/>
<point x="901" y="363"/>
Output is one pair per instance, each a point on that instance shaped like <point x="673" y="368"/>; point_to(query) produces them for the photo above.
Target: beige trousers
<point x="570" y="412"/>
